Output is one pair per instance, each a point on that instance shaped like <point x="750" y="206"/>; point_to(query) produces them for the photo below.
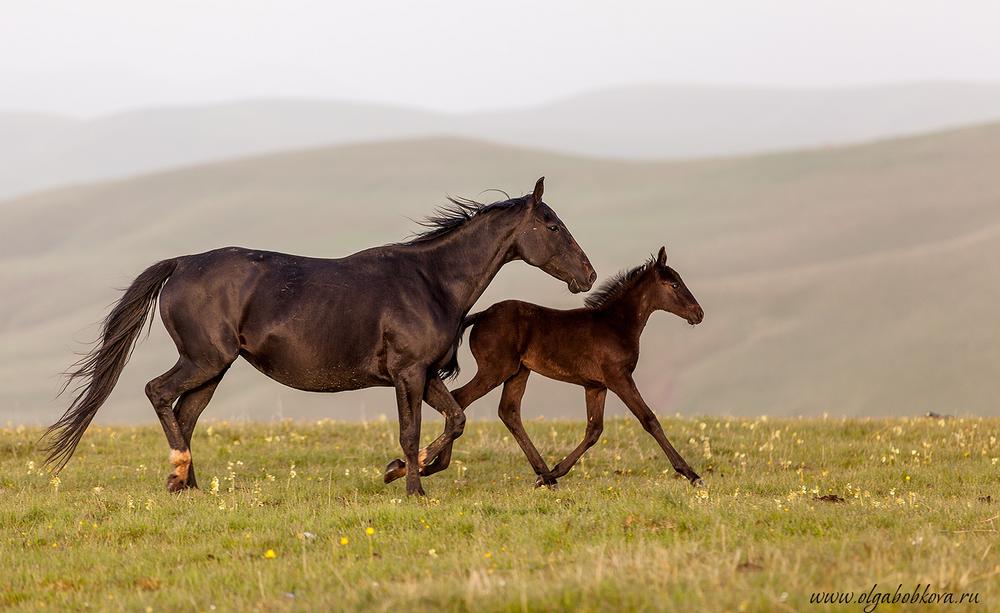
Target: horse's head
<point x="670" y="294"/>
<point x="543" y="240"/>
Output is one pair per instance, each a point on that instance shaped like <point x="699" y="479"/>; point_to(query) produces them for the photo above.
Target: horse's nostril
<point x="592" y="277"/>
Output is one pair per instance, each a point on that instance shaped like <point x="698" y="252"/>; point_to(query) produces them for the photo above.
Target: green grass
<point x="620" y="532"/>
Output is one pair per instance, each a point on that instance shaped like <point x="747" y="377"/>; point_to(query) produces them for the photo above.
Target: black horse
<point x="386" y="316"/>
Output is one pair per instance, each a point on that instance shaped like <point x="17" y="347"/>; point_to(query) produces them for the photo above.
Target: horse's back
<point x="209" y="289"/>
<point x="238" y="280"/>
<point x="310" y="323"/>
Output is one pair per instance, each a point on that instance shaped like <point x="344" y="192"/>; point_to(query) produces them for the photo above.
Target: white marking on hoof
<point x="181" y="461"/>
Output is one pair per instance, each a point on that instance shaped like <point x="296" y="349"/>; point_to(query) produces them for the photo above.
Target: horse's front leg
<point x="409" y="386"/>
<point x="437" y="456"/>
<point x="487" y="378"/>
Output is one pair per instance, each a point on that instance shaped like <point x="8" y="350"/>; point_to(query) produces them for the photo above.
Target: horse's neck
<point x="467" y="259"/>
<point x="631" y="311"/>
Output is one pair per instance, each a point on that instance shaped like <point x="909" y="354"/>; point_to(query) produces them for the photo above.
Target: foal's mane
<point x="456" y="214"/>
<point x="617" y="286"/>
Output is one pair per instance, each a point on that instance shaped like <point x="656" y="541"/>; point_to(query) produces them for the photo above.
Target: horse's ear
<point x="661" y="258"/>
<point x="539" y="190"/>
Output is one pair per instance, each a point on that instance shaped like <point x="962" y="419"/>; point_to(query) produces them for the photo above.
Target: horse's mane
<point x="615" y="287"/>
<point x="455" y="214"/>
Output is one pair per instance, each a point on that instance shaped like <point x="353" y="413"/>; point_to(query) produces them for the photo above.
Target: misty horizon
<point x="112" y="55"/>
<point x="728" y="87"/>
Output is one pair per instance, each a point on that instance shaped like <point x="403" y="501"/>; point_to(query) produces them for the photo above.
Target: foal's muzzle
<point x="696" y="316"/>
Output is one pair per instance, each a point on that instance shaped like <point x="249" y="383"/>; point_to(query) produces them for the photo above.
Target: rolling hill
<point x="652" y="121"/>
<point x="859" y="280"/>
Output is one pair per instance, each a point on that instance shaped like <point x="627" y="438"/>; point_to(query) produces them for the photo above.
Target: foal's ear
<point x="661" y="258"/>
<point x="539" y="190"/>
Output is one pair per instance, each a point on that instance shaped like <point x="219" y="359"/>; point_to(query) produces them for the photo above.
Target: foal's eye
<point x="675" y="285"/>
<point x="554" y="228"/>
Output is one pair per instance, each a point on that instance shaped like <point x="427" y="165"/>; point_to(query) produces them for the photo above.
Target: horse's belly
<point x="315" y="374"/>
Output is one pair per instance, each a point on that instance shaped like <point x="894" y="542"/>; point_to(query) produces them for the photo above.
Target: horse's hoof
<point x="697" y="482"/>
<point x="394" y="470"/>
<point x="546" y="482"/>
<point x="417" y="492"/>
<point x="176" y="484"/>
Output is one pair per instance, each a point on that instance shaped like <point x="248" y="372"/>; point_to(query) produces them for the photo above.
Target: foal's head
<point x="542" y="240"/>
<point x="667" y="292"/>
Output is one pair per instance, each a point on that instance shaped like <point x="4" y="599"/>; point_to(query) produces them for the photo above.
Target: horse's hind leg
<point x="189" y="408"/>
<point x="510" y="415"/>
<point x="162" y="391"/>
<point x="595" y="425"/>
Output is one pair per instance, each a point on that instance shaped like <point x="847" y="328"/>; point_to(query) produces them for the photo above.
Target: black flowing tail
<point x="100" y="368"/>
<point x="451" y="369"/>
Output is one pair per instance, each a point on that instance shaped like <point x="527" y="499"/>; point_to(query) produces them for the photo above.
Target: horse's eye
<point x="554" y="228"/>
<point x="675" y="285"/>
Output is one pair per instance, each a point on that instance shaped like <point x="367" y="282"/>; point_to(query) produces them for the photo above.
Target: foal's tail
<point x="100" y="368"/>
<point x="451" y="369"/>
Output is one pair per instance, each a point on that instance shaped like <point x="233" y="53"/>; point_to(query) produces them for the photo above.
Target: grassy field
<point x="294" y="516"/>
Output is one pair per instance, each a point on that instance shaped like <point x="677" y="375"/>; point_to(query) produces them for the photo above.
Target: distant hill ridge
<point x="40" y="151"/>
<point x="856" y="280"/>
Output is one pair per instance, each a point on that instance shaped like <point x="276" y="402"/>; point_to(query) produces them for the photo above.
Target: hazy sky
<point x="103" y="55"/>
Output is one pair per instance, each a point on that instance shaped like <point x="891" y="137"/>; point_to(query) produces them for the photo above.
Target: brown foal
<point x="596" y="347"/>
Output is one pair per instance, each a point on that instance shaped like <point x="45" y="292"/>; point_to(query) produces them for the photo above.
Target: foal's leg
<point x="625" y="388"/>
<point x="189" y="408"/>
<point x="409" y="399"/>
<point x="595" y="425"/>
<point x="510" y="415"/>
<point x="162" y="392"/>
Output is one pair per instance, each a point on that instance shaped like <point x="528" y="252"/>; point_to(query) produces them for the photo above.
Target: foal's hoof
<point x="543" y="481"/>
<point x="697" y="482"/>
<point x="176" y="484"/>
<point x="417" y="492"/>
<point x="395" y="470"/>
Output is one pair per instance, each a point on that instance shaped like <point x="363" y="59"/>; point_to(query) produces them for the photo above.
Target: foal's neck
<point x="631" y="311"/>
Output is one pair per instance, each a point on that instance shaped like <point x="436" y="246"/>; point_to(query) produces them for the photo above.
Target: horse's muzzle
<point x="576" y="287"/>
